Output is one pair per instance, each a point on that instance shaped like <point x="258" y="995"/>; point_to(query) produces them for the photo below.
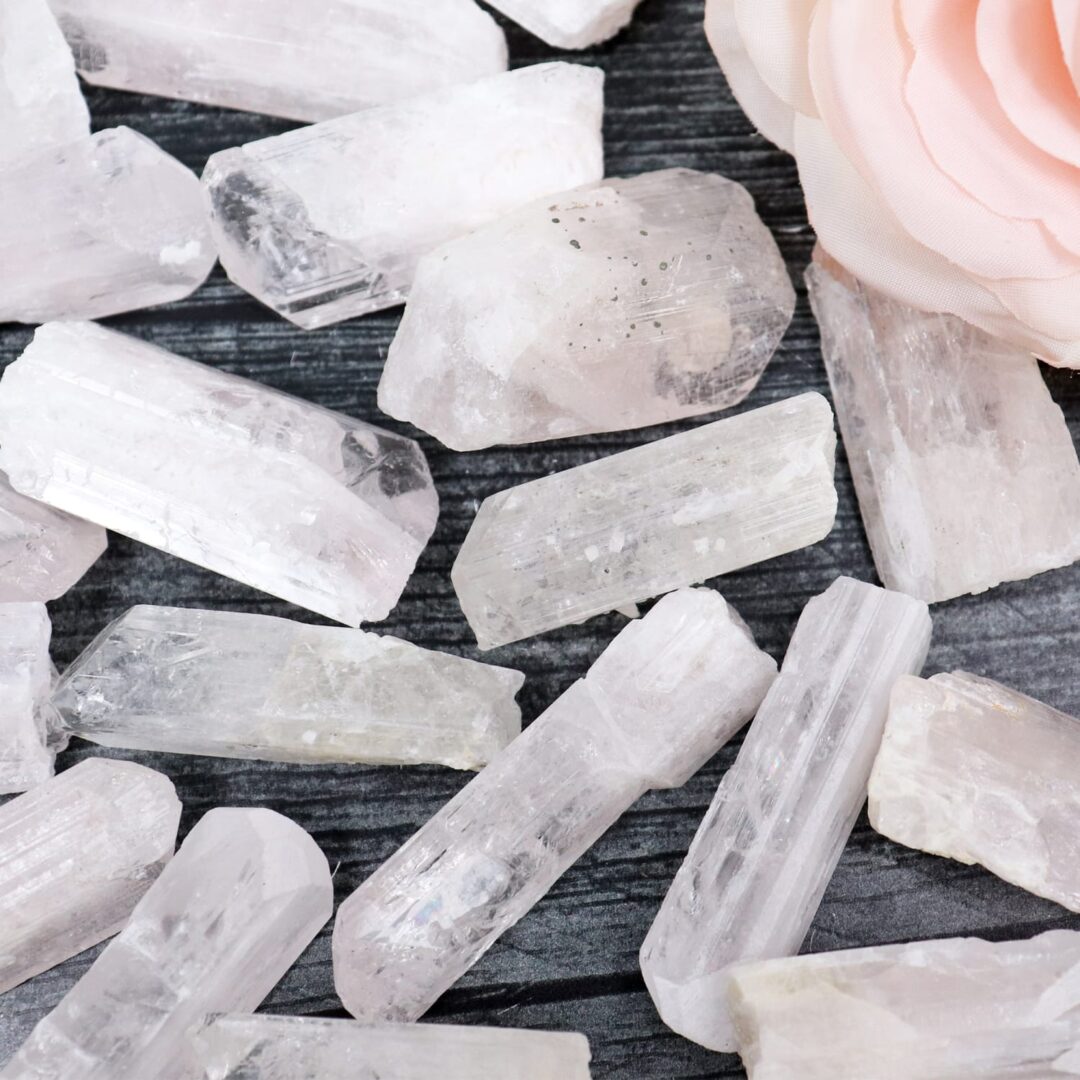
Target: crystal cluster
<point x="25" y="678"/>
<point x="616" y="306"/>
<point x="569" y="24"/>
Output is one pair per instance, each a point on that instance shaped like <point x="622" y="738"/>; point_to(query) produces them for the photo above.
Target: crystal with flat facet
<point x="25" y="682"/>
<point x="307" y="504"/>
<point x="667" y="693"/>
<point x="329" y="221"/>
<point x="765" y="852"/>
<point x="674" y="512"/>
<point x="629" y="303"/>
<point x="569" y="24"/>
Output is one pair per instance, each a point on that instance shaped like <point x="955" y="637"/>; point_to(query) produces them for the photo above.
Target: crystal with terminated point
<point x="25" y="680"/>
<point x="569" y="24"/>
<point x="675" y="512"/>
<point x="228" y="916"/>
<point x="761" y="860"/>
<point x="977" y="772"/>
<point x="302" y="502"/>
<point x="667" y="693"/>
<point x="301" y="61"/>
<point x="231" y="684"/>
<point x="329" y="221"/>
<point x="628" y="303"/>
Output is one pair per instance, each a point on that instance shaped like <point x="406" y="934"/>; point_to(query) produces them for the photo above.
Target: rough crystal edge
<point x="597" y="22"/>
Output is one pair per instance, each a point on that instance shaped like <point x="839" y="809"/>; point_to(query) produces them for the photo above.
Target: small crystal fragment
<point x="629" y="303"/>
<point x="569" y="24"/>
<point x="301" y="61"/>
<point x="25" y="683"/>
<point x="329" y="221"/>
<point x="974" y="771"/>
<point x="246" y="893"/>
<point x="307" y="504"/>
<point x="674" y="512"/>
<point x="252" y="686"/>
<point x="958" y="1009"/>
<point x="667" y="693"/>
<point x="761" y="860"/>
<point x="964" y="466"/>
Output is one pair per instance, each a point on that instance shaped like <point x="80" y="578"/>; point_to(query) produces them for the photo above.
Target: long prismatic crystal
<point x="570" y="24"/>
<point x="25" y="678"/>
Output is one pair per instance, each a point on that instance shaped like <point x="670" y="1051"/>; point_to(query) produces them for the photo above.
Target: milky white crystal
<point x="674" y="512"/>
<point x="25" y="681"/>
<point x="977" y="772"/>
<point x="245" y="894"/>
<point x="616" y="306"/>
<point x="298" y="60"/>
<point x="761" y="860"/>
<point x="231" y="684"/>
<point x="667" y="693"/>
<point x="964" y="466"/>
<point x="959" y="1009"/>
<point x="307" y="504"/>
<point x="569" y="24"/>
<point x="329" y="221"/>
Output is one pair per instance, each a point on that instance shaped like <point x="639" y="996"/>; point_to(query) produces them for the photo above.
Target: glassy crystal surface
<point x="25" y="682"/>
<point x="629" y="303"/>
<point x="329" y="221"/>
<point x="667" y="693"/>
<point x="306" y="504"/>
<point x="674" y="512"/>
<point x="569" y="24"/>
<point x="765" y="852"/>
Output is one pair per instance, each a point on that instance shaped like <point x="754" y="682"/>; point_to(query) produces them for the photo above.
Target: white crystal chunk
<point x="569" y="24"/>
<point x="25" y="682"/>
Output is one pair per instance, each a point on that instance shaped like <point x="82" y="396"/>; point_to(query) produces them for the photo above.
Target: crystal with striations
<point x="25" y="681"/>
<point x="629" y="303"/>
<point x="297" y="60"/>
<point x="760" y="862"/>
<point x="569" y="24"/>
<point x="329" y="221"/>
<point x="665" y="695"/>
<point x="307" y="504"/>
<point x="974" y="771"/>
<point x="231" y="684"/>
<point x="246" y="893"/>
<point x="674" y="512"/>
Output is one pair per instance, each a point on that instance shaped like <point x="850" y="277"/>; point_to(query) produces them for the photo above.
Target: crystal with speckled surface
<point x="25" y="677"/>
<point x="570" y="24"/>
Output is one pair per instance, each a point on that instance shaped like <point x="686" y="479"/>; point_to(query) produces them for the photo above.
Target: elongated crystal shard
<point x="974" y="771"/>
<point x="958" y="1009"/>
<point x="25" y="678"/>
<point x="667" y="693"/>
<point x="244" y="896"/>
<point x="307" y="504"/>
<point x="329" y="221"/>
<point x="252" y="686"/>
<point x="301" y="61"/>
<point x="570" y="24"/>
<point x="675" y="512"/>
<point x="761" y="860"/>
<point x="628" y="303"/>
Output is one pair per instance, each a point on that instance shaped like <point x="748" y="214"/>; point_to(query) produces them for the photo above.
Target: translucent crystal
<point x="610" y="307"/>
<point x="569" y="24"/>
<point x="640" y="523"/>
<point x="25" y="682"/>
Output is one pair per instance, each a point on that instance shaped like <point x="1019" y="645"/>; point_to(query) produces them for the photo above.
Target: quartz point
<point x="307" y="504"/>
<point x="674" y="512"/>
<point x="569" y="24"/>
<point x="76" y="855"/>
<point x="667" y="693"/>
<point x="25" y="682"/>
<point x="974" y="771"/>
<point x="300" y="61"/>
<point x="294" y="1048"/>
<point x="230" y="684"/>
<point x="963" y="464"/>
<point x="329" y="221"/>
<point x="764" y="854"/>
<point x="616" y="306"/>
<point x="955" y="1009"/>
<point x="244" y="896"/>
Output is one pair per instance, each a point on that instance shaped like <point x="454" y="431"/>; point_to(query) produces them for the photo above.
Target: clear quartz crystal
<point x="629" y="303"/>
<point x="964" y="466"/>
<point x="307" y="504"/>
<point x="105" y="224"/>
<point x="297" y="60"/>
<point x="569" y="24"/>
<point x="228" y="916"/>
<point x="252" y="686"/>
<point x="765" y="852"/>
<point x="674" y="512"/>
<point x="959" y="1009"/>
<point x="977" y="772"/>
<point x="329" y="221"/>
<point x="667" y="693"/>
<point x="25" y="681"/>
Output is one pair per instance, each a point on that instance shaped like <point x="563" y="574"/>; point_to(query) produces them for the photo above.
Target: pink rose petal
<point x="774" y="34"/>
<point x="1067" y="16"/>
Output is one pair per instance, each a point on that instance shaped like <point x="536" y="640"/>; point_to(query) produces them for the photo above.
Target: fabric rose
<point x="938" y="144"/>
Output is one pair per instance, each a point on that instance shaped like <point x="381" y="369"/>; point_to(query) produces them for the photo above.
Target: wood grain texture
<point x="572" y="963"/>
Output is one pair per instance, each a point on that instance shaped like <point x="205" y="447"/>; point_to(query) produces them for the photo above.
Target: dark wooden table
<point x="572" y="962"/>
